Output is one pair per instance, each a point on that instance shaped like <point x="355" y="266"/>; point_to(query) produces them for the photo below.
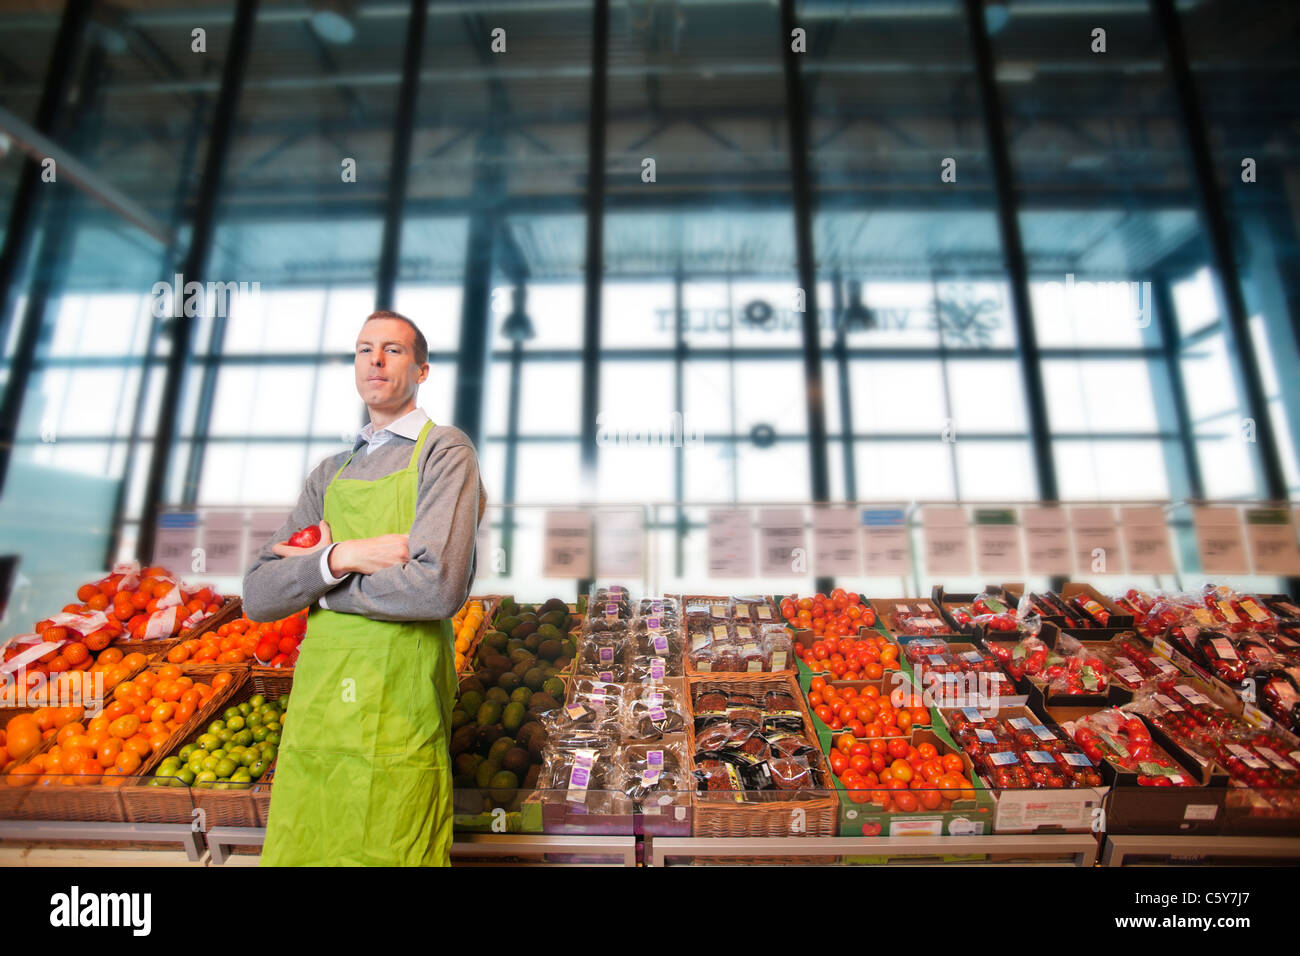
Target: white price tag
<point x="783" y="545"/>
<point x="1219" y="541"/>
<point x="566" y="545"/>
<point x="946" y="531"/>
<point x="836" y="547"/>
<point x="731" y="542"/>
<point x="997" y="541"/>
<point x="222" y="540"/>
<point x="176" y="538"/>
<point x="887" y="547"/>
<point x="1272" y="540"/>
<point x="1097" y="548"/>
<point x="620" y="544"/>
<point x="1146" y="540"/>
<point x="1047" y="540"/>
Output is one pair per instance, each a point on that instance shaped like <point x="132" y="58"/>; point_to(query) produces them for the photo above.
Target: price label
<point x="263" y="526"/>
<point x="620" y="544"/>
<point x="566" y="545"/>
<point x="1097" y="548"/>
<point x="997" y="541"/>
<point x="1272" y="540"/>
<point x="731" y="543"/>
<point x="837" y="549"/>
<point x="1146" y="540"/>
<point x="946" y="532"/>
<point x="1219" y="541"/>
<point x="1047" y="540"/>
<point x="783" y="545"/>
<point x="176" y="538"/>
<point x="886" y="544"/>
<point x="223" y="543"/>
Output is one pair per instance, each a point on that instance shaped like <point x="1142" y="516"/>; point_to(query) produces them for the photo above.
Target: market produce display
<point x="140" y="720"/>
<point x="233" y="752"/>
<point x="867" y="657"/>
<point x="1019" y="753"/>
<point x="517" y="677"/>
<point x="129" y="606"/>
<point x="245" y="641"/>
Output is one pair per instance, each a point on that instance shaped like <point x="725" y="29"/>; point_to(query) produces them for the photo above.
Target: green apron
<point x="363" y="776"/>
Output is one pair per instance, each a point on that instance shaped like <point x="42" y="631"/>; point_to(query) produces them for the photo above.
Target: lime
<point x="268" y="753"/>
<point x="245" y="709"/>
<point x="273" y="726"/>
<point x="253" y="720"/>
<point x="273" y="738"/>
<point x="216" y="727"/>
<point x="171" y="763"/>
<point x="226" y="736"/>
<point x="211" y="761"/>
<point x="230" y="713"/>
<point x="205" y="779"/>
<point x="186" y="751"/>
<point x="235" y="723"/>
<point x="256" y="701"/>
<point x="209" y="742"/>
<point x="258" y="767"/>
<point x="283" y="702"/>
<point x="220" y="752"/>
<point x="259" y="733"/>
<point x="166" y="771"/>
<point x="249" y="757"/>
<point x="186" y="776"/>
<point x="244" y="738"/>
<point x="225" y="767"/>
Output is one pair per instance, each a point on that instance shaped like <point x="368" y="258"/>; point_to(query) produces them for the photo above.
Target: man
<point x="363" y="775"/>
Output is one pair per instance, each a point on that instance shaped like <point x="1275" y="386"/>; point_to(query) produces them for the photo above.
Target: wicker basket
<point x="156" y="651"/>
<point x="774" y="817"/>
<point x="96" y="802"/>
<point x="221" y="808"/>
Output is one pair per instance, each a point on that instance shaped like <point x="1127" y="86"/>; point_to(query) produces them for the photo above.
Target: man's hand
<point x="288" y="551"/>
<point x="368" y="555"/>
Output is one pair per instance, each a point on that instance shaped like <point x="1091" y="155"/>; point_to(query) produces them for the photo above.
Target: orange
<point x="124" y="726"/>
<point x="22" y="736"/>
<point x="178" y="655"/>
<point x="69" y="730"/>
<point x="23" y="775"/>
<point x="163" y="712"/>
<point x="108" y="751"/>
<point x="134" y="660"/>
<point x="44" y="717"/>
<point x="137" y="745"/>
<point x="128" y="762"/>
<point x="184" y="711"/>
<point x="75" y="653"/>
<point x="159" y="740"/>
<point x="168" y="672"/>
<point x="220" y="680"/>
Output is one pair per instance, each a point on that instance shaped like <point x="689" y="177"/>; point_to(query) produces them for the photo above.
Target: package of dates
<point x="645" y="771"/>
<point x="651" y="711"/>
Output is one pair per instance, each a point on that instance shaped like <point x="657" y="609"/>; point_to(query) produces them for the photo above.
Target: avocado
<point x="513" y="645"/>
<point x="521" y="654"/>
<point x="462" y="740"/>
<point x="507" y="682"/>
<point x="497" y="695"/>
<point x="543" y="702"/>
<point x="554" y="687"/>
<point x="555" y="604"/>
<point x="507" y="624"/>
<point x="529" y="615"/>
<point x="533" y="642"/>
<point x="459" y="718"/>
<point x="503" y="785"/>
<point x="471" y="702"/>
<point x="549" y="632"/>
<point x="512" y="717"/>
<point x="499" y="748"/>
<point x="524" y="736"/>
<point x="485" y="772"/>
<point x="534" y="678"/>
<point x="486" y="737"/>
<point x="488" y="714"/>
<point x="468" y="684"/>
<point x="467" y="763"/>
<point x="550" y="649"/>
<point x="516" y="760"/>
<point x="536" y="746"/>
<point x="485" y="677"/>
<point x="495" y="640"/>
<point x="521" y="694"/>
<point x="524" y="629"/>
<point x="496" y="662"/>
<point x="520" y="669"/>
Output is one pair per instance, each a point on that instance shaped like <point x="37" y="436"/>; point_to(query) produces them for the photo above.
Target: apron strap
<point x="419" y="444"/>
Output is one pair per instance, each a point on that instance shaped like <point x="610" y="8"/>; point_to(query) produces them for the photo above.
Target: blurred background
<point x="944" y="251"/>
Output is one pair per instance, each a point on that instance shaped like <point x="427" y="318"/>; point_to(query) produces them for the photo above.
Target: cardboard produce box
<point x="965" y="818"/>
<point x="890" y="611"/>
<point x="1039" y="811"/>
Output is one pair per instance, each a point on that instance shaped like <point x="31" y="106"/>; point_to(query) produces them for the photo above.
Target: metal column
<point x="801" y="187"/>
<point x="1214" y="217"/>
<point x="1031" y="370"/>
<point x="214" y="165"/>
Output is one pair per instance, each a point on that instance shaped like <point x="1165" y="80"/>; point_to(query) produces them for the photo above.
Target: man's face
<point x="386" y="371"/>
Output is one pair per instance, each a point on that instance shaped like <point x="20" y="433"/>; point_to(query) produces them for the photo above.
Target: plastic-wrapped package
<point x="778" y="647"/>
<point x="647" y="770"/>
<point x="781" y="711"/>
<point x="792" y="773"/>
<point x="719" y="780"/>
<point x="667" y="610"/>
<point x="653" y="669"/>
<point x="789" y="744"/>
<point x="1081" y="673"/>
<point x="710" y="706"/>
<point x="1124" y="741"/>
<point x="652" y="713"/>
<point x="1217" y="650"/>
<point x="604" y="654"/>
<point x="593" y="706"/>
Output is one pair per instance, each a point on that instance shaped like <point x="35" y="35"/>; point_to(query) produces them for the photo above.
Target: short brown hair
<point x="421" y="343"/>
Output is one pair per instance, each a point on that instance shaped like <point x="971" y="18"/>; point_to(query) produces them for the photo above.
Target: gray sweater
<point x="431" y="586"/>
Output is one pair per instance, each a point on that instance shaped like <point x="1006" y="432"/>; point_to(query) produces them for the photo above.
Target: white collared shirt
<point x="408" y="426"/>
